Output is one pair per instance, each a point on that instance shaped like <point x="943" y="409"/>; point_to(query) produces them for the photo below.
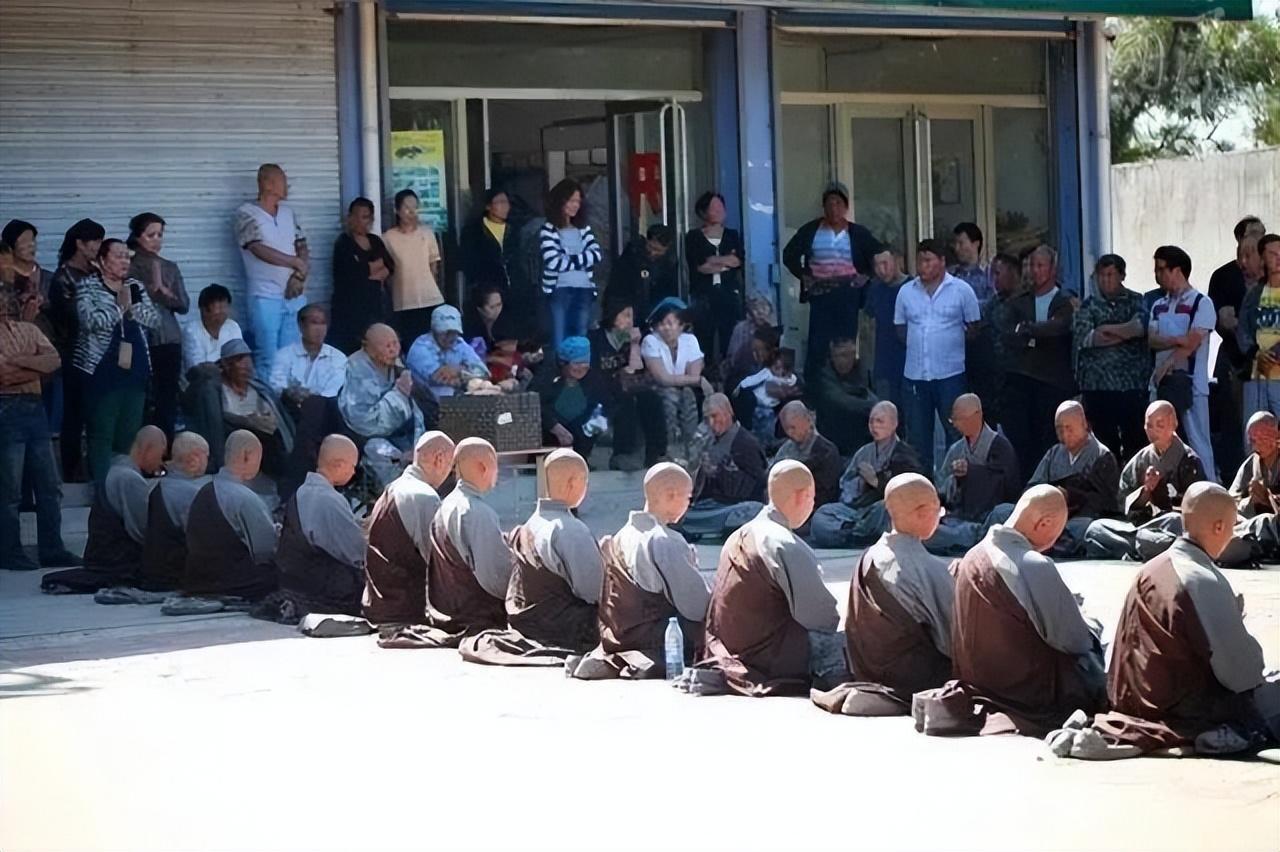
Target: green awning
<point x="1232" y="10"/>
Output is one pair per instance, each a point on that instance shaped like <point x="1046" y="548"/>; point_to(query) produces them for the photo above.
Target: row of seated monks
<point x="992" y="642"/>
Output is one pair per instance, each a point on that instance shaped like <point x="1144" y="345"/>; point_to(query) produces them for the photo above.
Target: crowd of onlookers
<point x="93" y="349"/>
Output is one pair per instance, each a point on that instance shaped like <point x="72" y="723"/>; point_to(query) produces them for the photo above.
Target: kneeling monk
<point x="164" y="553"/>
<point x="470" y="564"/>
<point x="650" y="576"/>
<point x="395" y="591"/>
<point x="771" y="624"/>
<point x="1023" y="656"/>
<point x="1184" y="669"/>
<point x="117" y="522"/>
<point x="555" y="579"/>
<point x="898" y="625"/>
<point x="231" y="539"/>
<point x="320" y="557"/>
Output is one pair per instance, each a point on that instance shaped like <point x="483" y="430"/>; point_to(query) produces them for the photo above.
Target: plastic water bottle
<point x="597" y="424"/>
<point x="674" y="645"/>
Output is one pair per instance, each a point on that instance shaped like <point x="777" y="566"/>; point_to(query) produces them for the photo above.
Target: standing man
<point x="832" y="258"/>
<point x="1259" y="333"/>
<point x="985" y="359"/>
<point x="276" y="261"/>
<point x="968" y="245"/>
<point x="26" y="356"/>
<point x="932" y="316"/>
<point x="890" y="354"/>
<point x="1181" y="320"/>
<point x="1227" y="288"/>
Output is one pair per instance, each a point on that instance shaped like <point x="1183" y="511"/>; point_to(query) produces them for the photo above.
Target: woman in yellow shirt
<point x="414" y="291"/>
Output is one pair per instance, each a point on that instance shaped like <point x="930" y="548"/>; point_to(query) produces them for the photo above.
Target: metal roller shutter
<point x="112" y="107"/>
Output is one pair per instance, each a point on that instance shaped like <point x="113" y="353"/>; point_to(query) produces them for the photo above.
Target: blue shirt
<point x="891" y="353"/>
<point x="425" y="357"/>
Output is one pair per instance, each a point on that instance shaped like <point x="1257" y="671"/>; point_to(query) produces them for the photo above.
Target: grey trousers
<point x="954" y="536"/>
<point x="1068" y="546"/>
<point x="838" y="525"/>
<point x="712" y="518"/>
<point x="1256" y="538"/>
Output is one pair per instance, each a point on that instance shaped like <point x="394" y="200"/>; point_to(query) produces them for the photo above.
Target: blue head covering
<point x="666" y="306"/>
<point x="574" y="350"/>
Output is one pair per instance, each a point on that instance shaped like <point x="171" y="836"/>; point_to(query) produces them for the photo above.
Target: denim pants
<point x="570" y="312"/>
<point x="25" y="447"/>
<point x="275" y="325"/>
<point x="923" y="400"/>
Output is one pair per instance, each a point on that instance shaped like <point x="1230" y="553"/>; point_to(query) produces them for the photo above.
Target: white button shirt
<point x="323" y="375"/>
<point x="199" y="347"/>
<point x="935" y="327"/>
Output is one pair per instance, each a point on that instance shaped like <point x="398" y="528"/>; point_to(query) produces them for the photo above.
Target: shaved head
<point x="966" y="415"/>
<point x="1071" y="425"/>
<point x="883" y="420"/>
<point x="382" y="344"/>
<point x="913" y="505"/>
<point x="796" y="420"/>
<point x="668" y="489"/>
<point x="1160" y="424"/>
<point x="1069" y="409"/>
<point x="1262" y="434"/>
<point x="243" y="454"/>
<point x="1041" y="515"/>
<point x="967" y="403"/>
<point x="717" y="401"/>
<point x="1260" y="417"/>
<point x="791" y="491"/>
<point x="150" y="437"/>
<point x="190" y="453"/>
<point x="379" y="332"/>
<point x="567" y="474"/>
<point x="477" y="463"/>
<point x="433" y="455"/>
<point x="718" y="412"/>
<point x="795" y="408"/>
<point x="1209" y="516"/>
<point x="337" y="460"/>
<point x="148" y="448"/>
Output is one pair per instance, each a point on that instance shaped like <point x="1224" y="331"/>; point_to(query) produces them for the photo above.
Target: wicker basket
<point x="509" y="422"/>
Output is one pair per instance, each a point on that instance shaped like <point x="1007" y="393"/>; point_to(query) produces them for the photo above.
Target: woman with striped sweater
<point x="569" y="252"/>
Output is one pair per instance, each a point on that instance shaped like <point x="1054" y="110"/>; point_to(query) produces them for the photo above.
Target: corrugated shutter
<point x="113" y="107"/>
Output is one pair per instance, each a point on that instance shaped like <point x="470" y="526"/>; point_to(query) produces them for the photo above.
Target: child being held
<point x="772" y="386"/>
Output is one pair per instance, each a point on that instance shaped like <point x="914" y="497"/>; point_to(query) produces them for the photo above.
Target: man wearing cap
<point x="239" y="399"/>
<point x="377" y="402"/>
<point x="570" y="397"/>
<point x="442" y="360"/>
<point x="832" y="258"/>
<point x="932" y="315"/>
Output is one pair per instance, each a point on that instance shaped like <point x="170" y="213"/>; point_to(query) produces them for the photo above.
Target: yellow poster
<point x="418" y="163"/>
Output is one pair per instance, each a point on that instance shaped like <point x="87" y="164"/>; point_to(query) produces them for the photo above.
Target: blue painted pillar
<point x="720" y="69"/>
<point x="755" y="122"/>
<point x="1065" y="163"/>
<point x="347" y="69"/>
<point x="1095" y="140"/>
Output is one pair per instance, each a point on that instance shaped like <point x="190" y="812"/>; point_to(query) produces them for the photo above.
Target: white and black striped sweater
<point x="556" y="261"/>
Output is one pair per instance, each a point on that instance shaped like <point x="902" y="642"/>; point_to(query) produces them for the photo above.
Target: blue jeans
<point x="25" y="446"/>
<point x="570" y="312"/>
<point x="923" y="400"/>
<point x="275" y="326"/>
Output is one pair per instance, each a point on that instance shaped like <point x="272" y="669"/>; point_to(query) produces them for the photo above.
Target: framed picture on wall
<point x="946" y="181"/>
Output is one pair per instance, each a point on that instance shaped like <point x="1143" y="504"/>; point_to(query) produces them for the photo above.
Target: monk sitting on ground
<point x="555" y="579"/>
<point x="771" y="624"/>
<point x="898" y="625"/>
<point x="164" y="552"/>
<point x="980" y="472"/>
<point x="729" y="476"/>
<point x="859" y="518"/>
<point x="321" y="553"/>
<point x="117" y="522"/>
<point x="469" y="564"/>
<point x="395" y="591"/>
<point x="1256" y="489"/>
<point x="650" y="576"/>
<point x="1183" y="670"/>
<point x="1086" y="472"/>
<point x="1023" y="657"/>
<point x="1151" y="489"/>
<point x="231" y="539"/>
<point x="811" y="449"/>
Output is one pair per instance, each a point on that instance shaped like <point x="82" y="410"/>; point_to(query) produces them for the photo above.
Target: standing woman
<point x="714" y="255"/>
<point x="30" y="281"/>
<point x="569" y="252"/>
<point x="115" y="312"/>
<point x="489" y="244"/>
<point x="168" y="293"/>
<point x="416" y="254"/>
<point x="76" y="261"/>
<point x="361" y="268"/>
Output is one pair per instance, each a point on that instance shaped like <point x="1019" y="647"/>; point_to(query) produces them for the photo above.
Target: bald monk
<point x="979" y="472"/>
<point x="117" y="521"/>
<point x="1151" y="489"/>
<point x="811" y="449"/>
<point x="859" y="518"/>
<point x="469" y="564"/>
<point x="729" y="476"/>
<point x="555" y="579"/>
<point x="1256" y="489"/>
<point x="898" y="624"/>
<point x="1022" y="654"/>
<point x="320" y="558"/>
<point x="164" y="551"/>
<point x="771" y="623"/>
<point x="231" y="538"/>
<point x="650" y="576"/>
<point x="1084" y="469"/>
<point x="1183" y="668"/>
<point x="395" y="591"/>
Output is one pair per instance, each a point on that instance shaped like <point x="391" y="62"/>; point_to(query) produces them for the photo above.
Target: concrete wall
<point x="1192" y="202"/>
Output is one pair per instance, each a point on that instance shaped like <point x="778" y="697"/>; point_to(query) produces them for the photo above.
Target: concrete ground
<point x="123" y="729"/>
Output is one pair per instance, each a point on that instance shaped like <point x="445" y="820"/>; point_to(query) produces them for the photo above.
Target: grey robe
<point x="327" y="521"/>
<point x="471" y="526"/>
<point x="860" y="517"/>
<point x="993" y="478"/>
<point x="247" y="515"/>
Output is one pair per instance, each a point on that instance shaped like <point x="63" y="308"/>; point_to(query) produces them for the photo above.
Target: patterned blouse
<point x="1123" y="367"/>
<point x="100" y="315"/>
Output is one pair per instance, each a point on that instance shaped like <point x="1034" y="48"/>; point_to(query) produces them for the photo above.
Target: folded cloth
<point x="179" y="605"/>
<point x="128" y="595"/>
<point x="706" y="681"/>
<point x="318" y="625"/>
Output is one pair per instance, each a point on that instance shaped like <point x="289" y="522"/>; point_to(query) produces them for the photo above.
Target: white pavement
<point x="123" y="729"/>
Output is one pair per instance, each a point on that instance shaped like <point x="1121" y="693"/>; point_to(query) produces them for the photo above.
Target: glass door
<point x="957" y="174"/>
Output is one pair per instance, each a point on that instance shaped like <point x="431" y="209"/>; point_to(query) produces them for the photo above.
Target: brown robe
<point x="1162" y="687"/>
<point x="164" y="552"/>
<point x="633" y="622"/>
<point x="218" y="562"/>
<point x="548" y="623"/>
<point x="751" y="634"/>
<point x="395" y="590"/>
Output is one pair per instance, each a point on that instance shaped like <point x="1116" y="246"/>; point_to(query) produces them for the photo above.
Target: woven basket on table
<point x="509" y="422"/>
